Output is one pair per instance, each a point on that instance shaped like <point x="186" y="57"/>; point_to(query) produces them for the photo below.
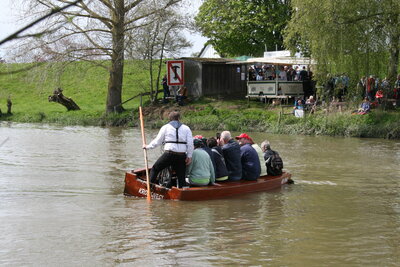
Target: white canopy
<point x="282" y="60"/>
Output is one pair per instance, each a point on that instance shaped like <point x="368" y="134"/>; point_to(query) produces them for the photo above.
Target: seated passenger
<point x="206" y="149"/>
<point x="251" y="168"/>
<point x="200" y="171"/>
<point x="221" y="172"/>
<point x="273" y="161"/>
<point x="261" y="158"/>
<point x="231" y="153"/>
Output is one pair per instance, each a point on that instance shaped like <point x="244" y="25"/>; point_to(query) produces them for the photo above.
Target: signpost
<point x="175" y="70"/>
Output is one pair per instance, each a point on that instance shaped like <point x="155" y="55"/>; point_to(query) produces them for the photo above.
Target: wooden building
<point x="214" y="77"/>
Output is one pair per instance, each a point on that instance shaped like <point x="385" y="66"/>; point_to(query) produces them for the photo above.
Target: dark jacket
<point x="231" y="153"/>
<point x="221" y="169"/>
<point x="251" y="168"/>
<point x="209" y="152"/>
<point x="267" y="155"/>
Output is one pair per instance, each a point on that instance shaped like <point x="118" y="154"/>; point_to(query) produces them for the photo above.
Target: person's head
<point x="244" y="139"/>
<point x="226" y="136"/>
<point x="197" y="143"/>
<point x="212" y="142"/>
<point x="174" y="115"/>
<point x="265" y="145"/>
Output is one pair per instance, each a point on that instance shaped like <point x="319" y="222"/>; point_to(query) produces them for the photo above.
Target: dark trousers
<point x="176" y="161"/>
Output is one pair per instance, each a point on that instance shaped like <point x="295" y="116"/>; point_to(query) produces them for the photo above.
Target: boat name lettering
<point x="143" y="191"/>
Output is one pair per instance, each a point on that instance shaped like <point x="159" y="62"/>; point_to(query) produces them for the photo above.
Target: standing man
<point x="166" y="88"/>
<point x="178" y="147"/>
<point x="251" y="168"/>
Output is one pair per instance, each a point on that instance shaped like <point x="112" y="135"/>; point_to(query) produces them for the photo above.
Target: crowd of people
<point x="284" y="73"/>
<point x="198" y="161"/>
<point x="373" y="88"/>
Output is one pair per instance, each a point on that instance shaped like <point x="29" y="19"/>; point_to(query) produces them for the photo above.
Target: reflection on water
<point x="62" y="203"/>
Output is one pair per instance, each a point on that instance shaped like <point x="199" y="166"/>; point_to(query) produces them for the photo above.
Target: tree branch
<point x="52" y="12"/>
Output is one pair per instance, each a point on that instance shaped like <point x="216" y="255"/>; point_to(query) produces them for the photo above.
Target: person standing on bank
<point x="178" y="147"/>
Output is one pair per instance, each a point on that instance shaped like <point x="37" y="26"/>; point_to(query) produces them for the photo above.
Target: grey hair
<point x="226" y="135"/>
<point x="265" y="145"/>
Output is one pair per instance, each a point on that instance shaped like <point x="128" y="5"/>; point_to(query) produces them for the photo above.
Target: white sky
<point x="9" y="24"/>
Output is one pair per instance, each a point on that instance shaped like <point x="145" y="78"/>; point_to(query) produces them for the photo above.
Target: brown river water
<point x="62" y="204"/>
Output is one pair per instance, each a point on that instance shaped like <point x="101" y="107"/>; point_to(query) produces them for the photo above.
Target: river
<point x="62" y="203"/>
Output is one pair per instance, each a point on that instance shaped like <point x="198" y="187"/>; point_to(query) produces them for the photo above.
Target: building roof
<point x="209" y="60"/>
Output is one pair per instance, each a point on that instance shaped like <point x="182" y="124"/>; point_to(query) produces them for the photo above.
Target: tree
<point x="244" y="27"/>
<point x="95" y="29"/>
<point x="161" y="38"/>
<point x="358" y="37"/>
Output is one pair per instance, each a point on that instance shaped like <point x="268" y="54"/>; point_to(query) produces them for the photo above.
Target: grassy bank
<point x="86" y="84"/>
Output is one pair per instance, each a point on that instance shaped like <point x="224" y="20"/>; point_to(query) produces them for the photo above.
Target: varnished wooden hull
<point x="135" y="185"/>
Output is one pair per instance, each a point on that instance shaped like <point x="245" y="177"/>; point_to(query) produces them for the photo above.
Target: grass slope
<point x="86" y="84"/>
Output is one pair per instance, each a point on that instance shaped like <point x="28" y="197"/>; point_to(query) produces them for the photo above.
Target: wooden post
<point x="145" y="154"/>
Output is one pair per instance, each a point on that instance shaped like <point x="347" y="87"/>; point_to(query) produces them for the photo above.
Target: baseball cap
<point x="243" y="135"/>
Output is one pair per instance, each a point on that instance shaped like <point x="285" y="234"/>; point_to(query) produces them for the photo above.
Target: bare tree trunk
<point x="58" y="97"/>
<point x="393" y="57"/>
<point x="114" y="96"/>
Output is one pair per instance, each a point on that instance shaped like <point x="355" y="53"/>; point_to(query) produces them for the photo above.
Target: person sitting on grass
<point x="200" y="172"/>
<point x="365" y="107"/>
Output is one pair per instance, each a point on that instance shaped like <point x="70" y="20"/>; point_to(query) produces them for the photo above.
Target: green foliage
<point x="243" y="27"/>
<point x="356" y="37"/>
<point x="84" y="82"/>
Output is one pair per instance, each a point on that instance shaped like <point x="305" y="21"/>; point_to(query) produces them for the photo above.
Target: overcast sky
<point x="9" y="24"/>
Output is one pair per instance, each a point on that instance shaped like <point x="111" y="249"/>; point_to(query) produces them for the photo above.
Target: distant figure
<point x="200" y="171"/>
<point x="365" y="106"/>
<point x="310" y="100"/>
<point x="166" y="88"/>
<point x="182" y="95"/>
<point x="251" y="168"/>
<point x="298" y="109"/>
<point x="303" y="74"/>
<point x="231" y="153"/>
<point x="370" y="87"/>
<point x="273" y="161"/>
<point x="379" y="95"/>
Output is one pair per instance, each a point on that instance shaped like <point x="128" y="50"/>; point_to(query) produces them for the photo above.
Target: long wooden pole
<point x="145" y="154"/>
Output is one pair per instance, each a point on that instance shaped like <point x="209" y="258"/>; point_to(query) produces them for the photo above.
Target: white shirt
<point x="168" y="133"/>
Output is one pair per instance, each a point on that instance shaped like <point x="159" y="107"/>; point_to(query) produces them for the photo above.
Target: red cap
<point x="243" y="135"/>
<point x="198" y="137"/>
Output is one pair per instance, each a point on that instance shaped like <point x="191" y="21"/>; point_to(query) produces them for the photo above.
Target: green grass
<point x="86" y="84"/>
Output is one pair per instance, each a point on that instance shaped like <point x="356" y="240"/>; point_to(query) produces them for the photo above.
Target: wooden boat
<point x="135" y="185"/>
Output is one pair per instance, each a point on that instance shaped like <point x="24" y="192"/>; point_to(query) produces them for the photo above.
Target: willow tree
<point x="357" y="37"/>
<point x="95" y="29"/>
<point x="244" y="27"/>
